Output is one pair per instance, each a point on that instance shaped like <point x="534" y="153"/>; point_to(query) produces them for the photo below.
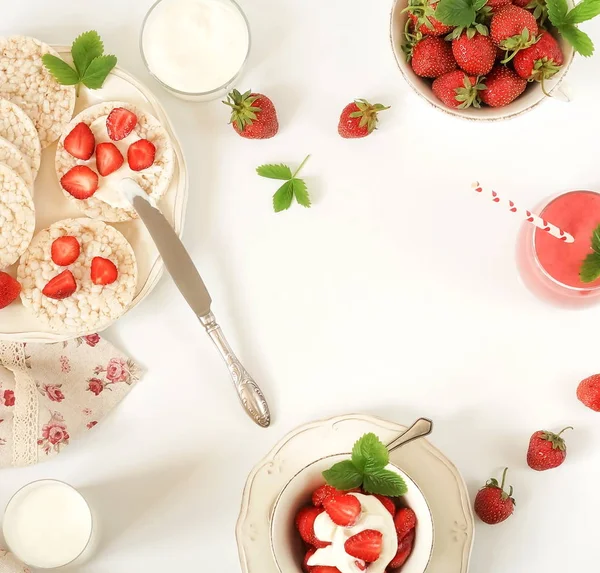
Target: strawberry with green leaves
<point x="359" y="119"/>
<point x="422" y="14"/>
<point x="540" y="61"/>
<point x="458" y="90"/>
<point x="253" y="115"/>
<point x="502" y="86"/>
<point x="565" y="21"/>
<point x="432" y="57"/>
<point x="547" y="450"/>
<point x="513" y="28"/>
<point x="492" y="504"/>
<point x="474" y="52"/>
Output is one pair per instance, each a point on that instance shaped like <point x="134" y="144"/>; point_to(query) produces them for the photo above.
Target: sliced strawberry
<point x="343" y="510"/>
<point x="324" y="569"/>
<point x="9" y="289"/>
<point x="140" y="154"/>
<point x="80" y="142"/>
<point x="104" y="272"/>
<point x="405" y="521"/>
<point x="65" y="250"/>
<point x="80" y="182"/>
<point x="61" y="286"/>
<point x="305" y="523"/>
<point x="323" y="492"/>
<point x="365" y="545"/>
<point x="361" y="564"/>
<point x="308" y="555"/>
<point x="108" y="158"/>
<point x="120" y="123"/>
<point x="387" y="503"/>
<point x="405" y="548"/>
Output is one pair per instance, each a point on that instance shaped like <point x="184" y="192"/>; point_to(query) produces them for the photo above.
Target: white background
<point x="395" y="295"/>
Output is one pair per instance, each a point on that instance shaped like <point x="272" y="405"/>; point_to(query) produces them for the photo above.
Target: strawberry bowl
<point x="493" y="87"/>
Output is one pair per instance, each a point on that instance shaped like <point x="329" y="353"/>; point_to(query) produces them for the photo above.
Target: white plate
<point x="438" y="479"/>
<point x="17" y="323"/>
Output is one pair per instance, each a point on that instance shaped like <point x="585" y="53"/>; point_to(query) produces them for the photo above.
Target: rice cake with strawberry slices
<point x="17" y="216"/>
<point x="107" y="203"/>
<point x="11" y="156"/>
<point x="91" y="307"/>
<point x="26" y="82"/>
<point x="17" y="128"/>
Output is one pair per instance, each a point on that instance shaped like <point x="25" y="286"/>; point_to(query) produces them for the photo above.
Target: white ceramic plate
<point x="438" y="479"/>
<point x="17" y="323"/>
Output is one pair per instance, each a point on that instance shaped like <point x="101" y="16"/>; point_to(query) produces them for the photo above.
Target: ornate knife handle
<point x="249" y="393"/>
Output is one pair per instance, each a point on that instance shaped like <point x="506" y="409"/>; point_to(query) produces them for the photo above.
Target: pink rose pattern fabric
<point x="78" y="382"/>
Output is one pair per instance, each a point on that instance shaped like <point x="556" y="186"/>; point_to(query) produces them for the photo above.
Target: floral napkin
<point x="9" y="563"/>
<point x="52" y="393"/>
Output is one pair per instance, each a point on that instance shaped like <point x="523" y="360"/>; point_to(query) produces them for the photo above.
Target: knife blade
<point x="186" y="277"/>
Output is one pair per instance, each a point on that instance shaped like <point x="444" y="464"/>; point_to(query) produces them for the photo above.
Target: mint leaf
<point x="85" y="48"/>
<point x="580" y="41"/>
<point x="384" y="482"/>
<point x="275" y="171"/>
<point x="343" y="476"/>
<point x="282" y="199"/>
<point x="97" y="71"/>
<point x="369" y="454"/>
<point x="557" y="11"/>
<point x="584" y="11"/>
<point x="456" y="12"/>
<point x="300" y="192"/>
<point x="596" y="240"/>
<point x="62" y="72"/>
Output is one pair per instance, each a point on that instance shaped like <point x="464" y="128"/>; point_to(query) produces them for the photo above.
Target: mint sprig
<point x="565" y="21"/>
<point x="590" y="268"/>
<point x="293" y="186"/>
<point x="92" y="66"/>
<point x="367" y="468"/>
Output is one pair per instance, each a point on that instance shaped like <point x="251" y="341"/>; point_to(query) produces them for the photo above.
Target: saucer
<point x="438" y="479"/>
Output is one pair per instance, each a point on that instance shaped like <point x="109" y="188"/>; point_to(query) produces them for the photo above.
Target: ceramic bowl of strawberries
<point x="488" y="59"/>
<point x="352" y="514"/>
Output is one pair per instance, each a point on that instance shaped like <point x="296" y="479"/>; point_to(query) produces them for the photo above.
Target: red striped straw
<point x="527" y="215"/>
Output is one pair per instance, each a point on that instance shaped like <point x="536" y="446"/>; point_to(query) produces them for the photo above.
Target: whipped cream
<point x="109" y="187"/>
<point x="374" y="516"/>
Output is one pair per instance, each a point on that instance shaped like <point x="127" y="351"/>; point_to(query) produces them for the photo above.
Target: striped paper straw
<point x="527" y="215"/>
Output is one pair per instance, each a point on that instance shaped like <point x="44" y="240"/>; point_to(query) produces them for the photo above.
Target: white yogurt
<point x="47" y="524"/>
<point x="374" y="516"/>
<point x="195" y="46"/>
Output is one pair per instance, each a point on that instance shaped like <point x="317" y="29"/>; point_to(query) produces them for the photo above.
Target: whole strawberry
<point x="474" y="52"/>
<point x="546" y="450"/>
<point x="503" y="86"/>
<point x="432" y="57"/>
<point x="422" y="15"/>
<point x="253" y="115"/>
<point x="456" y="89"/>
<point x="540" y="61"/>
<point x="359" y="119"/>
<point x="492" y="504"/>
<point x="9" y="289"/>
<point x="513" y="28"/>
<point x="588" y="392"/>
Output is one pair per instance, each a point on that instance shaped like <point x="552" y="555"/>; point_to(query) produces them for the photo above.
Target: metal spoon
<point x="422" y="427"/>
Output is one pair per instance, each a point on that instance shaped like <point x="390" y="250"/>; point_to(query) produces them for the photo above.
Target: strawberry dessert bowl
<point x="350" y="514"/>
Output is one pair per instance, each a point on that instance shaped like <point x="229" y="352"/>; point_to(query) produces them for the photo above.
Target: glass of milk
<point x="195" y="48"/>
<point x="48" y="524"/>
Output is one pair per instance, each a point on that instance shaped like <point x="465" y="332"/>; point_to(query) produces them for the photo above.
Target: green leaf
<point x="590" y="268"/>
<point x="584" y="11"/>
<point x="456" y="12"/>
<point x="580" y="41"/>
<point x="370" y="452"/>
<point x="557" y="11"/>
<point x="282" y="199"/>
<point x="275" y="171"/>
<point x="596" y="240"/>
<point x="343" y="476"/>
<point x="85" y="48"/>
<point x="97" y="71"/>
<point x="384" y="482"/>
<point x="300" y="192"/>
<point x="62" y="72"/>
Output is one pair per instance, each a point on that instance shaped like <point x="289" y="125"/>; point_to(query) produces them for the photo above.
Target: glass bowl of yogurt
<point x="289" y="551"/>
<point x="195" y="49"/>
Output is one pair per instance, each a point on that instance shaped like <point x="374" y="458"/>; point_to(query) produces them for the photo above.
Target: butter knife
<point x="189" y="282"/>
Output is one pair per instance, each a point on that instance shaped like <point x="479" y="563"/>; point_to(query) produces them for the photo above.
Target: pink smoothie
<point x="578" y="213"/>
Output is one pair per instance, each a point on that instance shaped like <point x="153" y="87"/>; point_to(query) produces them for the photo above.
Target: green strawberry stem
<point x="567" y="428"/>
<point x="301" y="166"/>
<point x="503" y="478"/>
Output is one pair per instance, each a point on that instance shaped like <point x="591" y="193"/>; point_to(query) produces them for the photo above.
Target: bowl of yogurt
<point x="289" y="551"/>
<point x="196" y="49"/>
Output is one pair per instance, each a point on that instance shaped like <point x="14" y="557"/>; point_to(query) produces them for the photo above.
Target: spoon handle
<point x="422" y="427"/>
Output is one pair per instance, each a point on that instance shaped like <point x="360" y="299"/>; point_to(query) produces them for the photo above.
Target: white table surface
<point x="395" y="295"/>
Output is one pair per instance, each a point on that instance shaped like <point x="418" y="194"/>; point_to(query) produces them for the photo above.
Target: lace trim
<point x="25" y="415"/>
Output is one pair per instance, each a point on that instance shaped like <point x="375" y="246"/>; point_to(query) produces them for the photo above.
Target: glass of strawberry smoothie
<point x="550" y="267"/>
